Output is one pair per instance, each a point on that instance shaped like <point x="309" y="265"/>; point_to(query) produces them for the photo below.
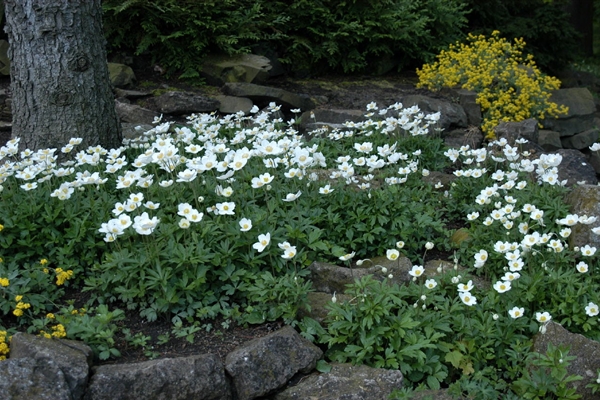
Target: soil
<point x="221" y="337"/>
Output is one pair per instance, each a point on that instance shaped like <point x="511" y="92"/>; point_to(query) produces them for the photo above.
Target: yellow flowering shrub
<point x="62" y="276"/>
<point x="509" y="86"/>
<point x="4" y="350"/>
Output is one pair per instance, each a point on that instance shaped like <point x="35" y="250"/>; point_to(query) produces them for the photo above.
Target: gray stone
<point x="134" y="114"/>
<point x="71" y="357"/>
<point x="594" y="160"/>
<point x="318" y="302"/>
<point x="330" y="278"/>
<point x="549" y="140"/>
<point x="268" y="363"/>
<point x="457" y="138"/>
<point x="575" y="168"/>
<point x="35" y="379"/>
<point x="249" y="68"/>
<point x="347" y="382"/>
<point x="586" y="351"/>
<point x="511" y="131"/>
<point x="196" y="377"/>
<point x="233" y="104"/>
<point x="329" y="117"/>
<point x="452" y="114"/>
<point x="130" y="94"/>
<point x="585" y="200"/>
<point x="263" y="95"/>
<point x="185" y="103"/>
<point x="121" y="75"/>
<point x="4" y="60"/>
<point x="132" y="131"/>
<point x="580" y="117"/>
<point x="468" y="101"/>
<point x="581" y="140"/>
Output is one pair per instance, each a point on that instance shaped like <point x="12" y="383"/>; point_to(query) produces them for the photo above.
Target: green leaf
<point x="323" y="366"/>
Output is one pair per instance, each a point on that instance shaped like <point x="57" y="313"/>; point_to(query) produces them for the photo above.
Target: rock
<point x="593" y="158"/>
<point x="185" y="103"/>
<point x="134" y="114"/>
<point x="585" y="200"/>
<point x="268" y="363"/>
<point x="132" y="131"/>
<point x="348" y="382"/>
<point x="586" y="351"/>
<point x="130" y="94"/>
<point x="72" y="358"/>
<point x="263" y="95"/>
<point x="4" y="60"/>
<point x="581" y="140"/>
<point x="29" y="378"/>
<point x="468" y="101"/>
<point x="580" y="117"/>
<point x="121" y="75"/>
<point x="233" y="104"/>
<point x="249" y="68"/>
<point x="318" y="302"/>
<point x="463" y="137"/>
<point x="549" y="140"/>
<point x="196" y="377"/>
<point x="452" y="114"/>
<point x="334" y="118"/>
<point x="511" y="131"/>
<point x="330" y="278"/>
<point x="575" y="168"/>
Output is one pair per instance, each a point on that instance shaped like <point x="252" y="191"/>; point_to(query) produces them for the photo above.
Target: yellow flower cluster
<point x="509" y="86"/>
<point x="18" y="311"/>
<point x="4" y="345"/>
<point x="58" y="331"/>
<point x="4" y="282"/>
<point x="62" y="276"/>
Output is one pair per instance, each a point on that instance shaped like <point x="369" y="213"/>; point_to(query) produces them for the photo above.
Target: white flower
<point x="400" y="244"/>
<point x="225" y="208"/>
<point x="582" y="267"/>
<point x="151" y="205"/>
<point x="465" y="287"/>
<point x="392" y="254"/>
<point x="430" y="283"/>
<point x="289" y="252"/>
<point x="502" y="286"/>
<point x="184" y="223"/>
<point x="591" y="309"/>
<point x="292" y="196"/>
<point x="481" y="256"/>
<point x="348" y="256"/>
<point x="543" y="317"/>
<point x="166" y="183"/>
<point x="429" y="245"/>
<point x="144" y="225"/>
<point x="516" y="312"/>
<point x="511" y="276"/>
<point x="184" y="209"/>
<point x="416" y="271"/>
<point x="245" y="224"/>
<point x="467" y="298"/>
<point x="187" y="175"/>
<point x="588" y="250"/>
<point x="326" y="189"/>
<point x="473" y="216"/>
<point x="263" y="242"/>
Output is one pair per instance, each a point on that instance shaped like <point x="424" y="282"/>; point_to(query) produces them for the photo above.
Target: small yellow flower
<point x="62" y="276"/>
<point x="4" y="282"/>
<point x="43" y="261"/>
<point x="1" y="227"/>
<point x="50" y="316"/>
<point x="18" y="297"/>
<point x="45" y="270"/>
<point x="18" y="312"/>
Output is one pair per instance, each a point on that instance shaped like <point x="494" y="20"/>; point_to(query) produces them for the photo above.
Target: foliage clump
<point x="509" y="85"/>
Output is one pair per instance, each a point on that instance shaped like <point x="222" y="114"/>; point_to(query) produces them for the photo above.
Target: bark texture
<point x="59" y="75"/>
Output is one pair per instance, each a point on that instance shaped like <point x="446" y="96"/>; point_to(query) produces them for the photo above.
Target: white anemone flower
<point x="263" y="242"/>
<point x="516" y="312"/>
<point x="245" y="224"/>
<point x="292" y="196"/>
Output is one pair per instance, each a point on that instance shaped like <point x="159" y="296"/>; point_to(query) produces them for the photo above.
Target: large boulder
<point x="134" y="114"/>
<point x="263" y="95"/>
<point x="330" y="278"/>
<point x="511" y="131"/>
<point x="233" y="104"/>
<point x="575" y="168"/>
<point x="580" y="141"/>
<point x="72" y="358"/>
<point x="549" y="140"/>
<point x="585" y="200"/>
<point x="580" y="117"/>
<point x="249" y="68"/>
<point x="196" y="377"/>
<point x="452" y="114"/>
<point x="265" y="364"/>
<point x="175" y="102"/>
<point x="586" y="351"/>
<point x="31" y="378"/>
<point x="120" y="75"/>
<point x="348" y="382"/>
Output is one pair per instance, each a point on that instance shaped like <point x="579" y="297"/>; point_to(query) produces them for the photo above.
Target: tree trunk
<point x="59" y="75"/>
